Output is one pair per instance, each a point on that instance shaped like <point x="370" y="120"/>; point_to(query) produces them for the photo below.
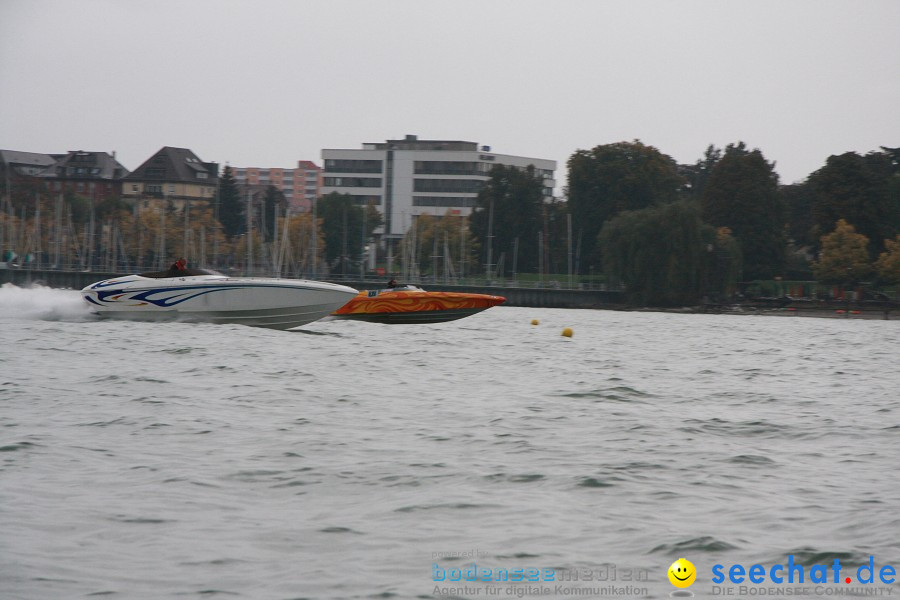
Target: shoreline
<point x="550" y="298"/>
<point x="754" y="310"/>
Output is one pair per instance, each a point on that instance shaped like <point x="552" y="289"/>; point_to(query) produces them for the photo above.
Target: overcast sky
<point x="266" y="83"/>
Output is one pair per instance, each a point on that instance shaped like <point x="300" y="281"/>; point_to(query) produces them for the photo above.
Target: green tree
<point x="231" y="209"/>
<point x="667" y="256"/>
<point x="613" y="178"/>
<point x="440" y="242"/>
<point x="697" y="174"/>
<point x="726" y="266"/>
<point x="556" y="238"/>
<point x="111" y="208"/>
<point x="798" y="202"/>
<point x="742" y="194"/>
<point x="80" y="207"/>
<point x="888" y="265"/>
<point x="345" y="226"/>
<point x="863" y="190"/>
<point x="273" y="207"/>
<point x="509" y="207"/>
<point x="844" y="258"/>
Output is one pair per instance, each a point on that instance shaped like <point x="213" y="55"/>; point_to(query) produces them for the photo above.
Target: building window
<point x="352" y="166"/>
<point x="202" y="175"/>
<point x="367" y="200"/>
<point x="171" y="189"/>
<point x="353" y="181"/>
<point x="465" y="186"/>
<point x="446" y="201"/>
<point x="448" y="167"/>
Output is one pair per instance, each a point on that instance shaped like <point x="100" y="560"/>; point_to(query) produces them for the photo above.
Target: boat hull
<point x="271" y="303"/>
<point x="414" y="306"/>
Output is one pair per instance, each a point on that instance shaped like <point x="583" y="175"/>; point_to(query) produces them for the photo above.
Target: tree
<point x="742" y="194"/>
<point x="888" y="265"/>
<point x="798" y="202"/>
<point x="726" y="266"/>
<point x="509" y="208"/>
<point x="231" y="209"/>
<point x="299" y="249"/>
<point x="863" y="190"/>
<point x="844" y="258"/>
<point x="273" y="207"/>
<point x="697" y="175"/>
<point x="665" y="255"/>
<point x="439" y="245"/>
<point x="150" y="231"/>
<point x="613" y="178"/>
<point x="556" y="238"/>
<point x="345" y="227"/>
<point x="111" y="208"/>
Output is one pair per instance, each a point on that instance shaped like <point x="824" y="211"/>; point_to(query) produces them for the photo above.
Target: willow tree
<point x="667" y="256"/>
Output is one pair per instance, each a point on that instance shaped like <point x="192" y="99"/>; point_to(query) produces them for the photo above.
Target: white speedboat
<point x="207" y="296"/>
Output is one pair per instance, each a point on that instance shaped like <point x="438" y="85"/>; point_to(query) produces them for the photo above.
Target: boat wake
<point x="42" y="304"/>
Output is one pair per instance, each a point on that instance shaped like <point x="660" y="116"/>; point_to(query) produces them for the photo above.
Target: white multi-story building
<point x="410" y="177"/>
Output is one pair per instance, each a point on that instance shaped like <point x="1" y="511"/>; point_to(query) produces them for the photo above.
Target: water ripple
<point x="169" y="460"/>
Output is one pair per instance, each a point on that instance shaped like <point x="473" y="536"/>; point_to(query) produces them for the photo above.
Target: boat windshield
<point x="403" y="287"/>
<point x="185" y="273"/>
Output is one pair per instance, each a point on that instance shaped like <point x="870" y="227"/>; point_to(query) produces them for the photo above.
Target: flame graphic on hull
<point x="415" y="306"/>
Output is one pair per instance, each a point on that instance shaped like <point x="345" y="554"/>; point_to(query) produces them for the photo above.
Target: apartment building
<point x="300" y="186"/>
<point x="410" y="177"/>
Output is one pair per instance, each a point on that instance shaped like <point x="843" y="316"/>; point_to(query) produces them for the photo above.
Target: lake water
<point x="356" y="460"/>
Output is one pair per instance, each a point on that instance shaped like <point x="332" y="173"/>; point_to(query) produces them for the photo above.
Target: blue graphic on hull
<point x="181" y="294"/>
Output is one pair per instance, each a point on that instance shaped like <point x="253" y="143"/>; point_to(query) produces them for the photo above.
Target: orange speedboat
<point x="411" y="304"/>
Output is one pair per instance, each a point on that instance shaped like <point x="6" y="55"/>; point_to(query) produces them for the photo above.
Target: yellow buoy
<point x="567" y="332"/>
<point x="534" y="321"/>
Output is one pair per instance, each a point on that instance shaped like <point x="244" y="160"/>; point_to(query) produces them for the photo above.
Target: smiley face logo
<point x="682" y="573"/>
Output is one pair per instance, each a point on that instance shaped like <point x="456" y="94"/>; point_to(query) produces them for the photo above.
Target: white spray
<point x="42" y="303"/>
